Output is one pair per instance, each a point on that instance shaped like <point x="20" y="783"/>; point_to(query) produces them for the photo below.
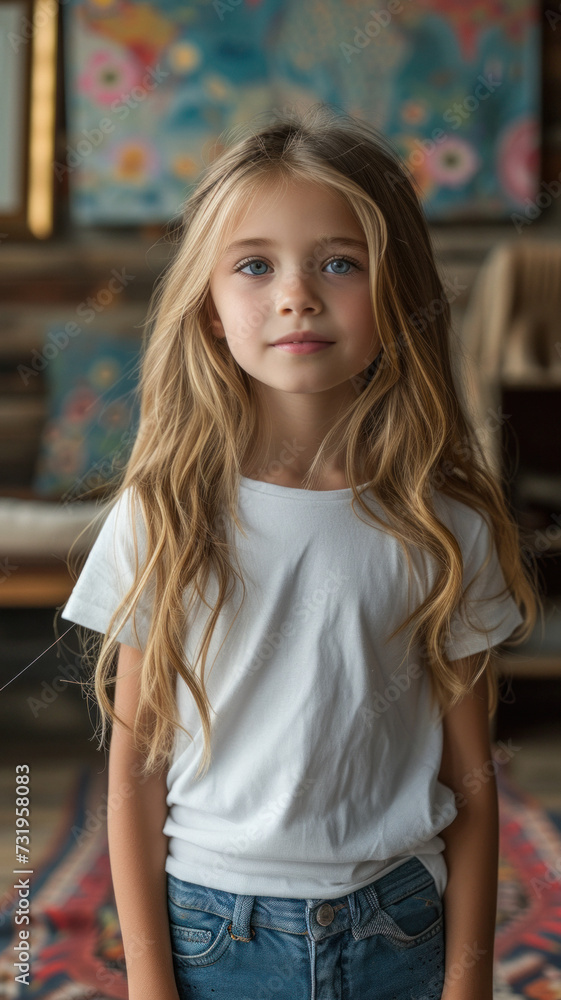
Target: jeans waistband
<point x="361" y="910"/>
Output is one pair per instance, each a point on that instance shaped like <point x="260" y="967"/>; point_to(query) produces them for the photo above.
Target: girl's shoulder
<point x="122" y="516"/>
<point x="126" y="505"/>
<point x="466" y="523"/>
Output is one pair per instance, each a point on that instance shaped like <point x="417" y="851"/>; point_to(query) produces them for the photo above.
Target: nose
<point x="295" y="293"/>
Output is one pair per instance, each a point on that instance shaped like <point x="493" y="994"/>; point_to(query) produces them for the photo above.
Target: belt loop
<point x="380" y="922"/>
<point x="370" y="918"/>
<point x="240" y="928"/>
<point x="353" y="899"/>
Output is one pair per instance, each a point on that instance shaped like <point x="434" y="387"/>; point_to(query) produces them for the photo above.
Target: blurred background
<point x="109" y="111"/>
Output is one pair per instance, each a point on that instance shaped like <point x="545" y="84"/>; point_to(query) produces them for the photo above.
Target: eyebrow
<point x="347" y="241"/>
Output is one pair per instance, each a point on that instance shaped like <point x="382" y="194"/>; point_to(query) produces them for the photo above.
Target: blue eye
<point x="341" y="260"/>
<point x="248" y="263"/>
<point x="257" y="260"/>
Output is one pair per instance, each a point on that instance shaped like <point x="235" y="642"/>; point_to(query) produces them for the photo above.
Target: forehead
<point x="315" y="214"/>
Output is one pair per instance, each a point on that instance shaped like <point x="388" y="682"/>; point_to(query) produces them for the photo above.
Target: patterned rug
<point x="528" y="930"/>
<point x="77" y="952"/>
<point x="76" y="944"/>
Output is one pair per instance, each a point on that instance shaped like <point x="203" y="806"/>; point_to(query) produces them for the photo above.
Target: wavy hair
<point x="406" y="431"/>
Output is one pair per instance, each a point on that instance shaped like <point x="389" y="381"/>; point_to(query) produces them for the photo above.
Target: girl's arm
<point x="472" y="846"/>
<point x="138" y="848"/>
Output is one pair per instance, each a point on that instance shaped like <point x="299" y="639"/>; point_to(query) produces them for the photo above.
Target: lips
<point x="304" y="346"/>
<point x="302" y="337"/>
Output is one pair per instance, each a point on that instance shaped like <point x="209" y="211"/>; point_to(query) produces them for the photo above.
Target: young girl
<point x="298" y="586"/>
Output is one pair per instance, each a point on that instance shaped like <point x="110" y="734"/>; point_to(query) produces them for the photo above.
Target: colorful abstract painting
<point x="150" y="87"/>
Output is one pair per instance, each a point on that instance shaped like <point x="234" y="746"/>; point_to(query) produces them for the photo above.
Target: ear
<point x="216" y="322"/>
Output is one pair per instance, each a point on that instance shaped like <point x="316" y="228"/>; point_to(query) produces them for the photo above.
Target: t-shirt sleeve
<point x="482" y="606"/>
<point x="108" y="574"/>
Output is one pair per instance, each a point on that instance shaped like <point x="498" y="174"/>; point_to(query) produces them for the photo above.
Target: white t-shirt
<point x="325" y="747"/>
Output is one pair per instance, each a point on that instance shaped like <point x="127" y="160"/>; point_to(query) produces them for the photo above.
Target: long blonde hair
<point x="406" y="429"/>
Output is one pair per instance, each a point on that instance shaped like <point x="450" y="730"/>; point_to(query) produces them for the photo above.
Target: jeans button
<point x="325" y="914"/>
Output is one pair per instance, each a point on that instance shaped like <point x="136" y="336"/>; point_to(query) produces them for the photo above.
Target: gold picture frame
<point x="28" y="71"/>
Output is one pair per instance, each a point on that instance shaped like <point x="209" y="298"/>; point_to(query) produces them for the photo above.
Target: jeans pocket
<point x="197" y="937"/>
<point x="416" y="917"/>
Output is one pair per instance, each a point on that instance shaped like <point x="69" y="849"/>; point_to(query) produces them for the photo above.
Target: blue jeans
<point x="384" y="941"/>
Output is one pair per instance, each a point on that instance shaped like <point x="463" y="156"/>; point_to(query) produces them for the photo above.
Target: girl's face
<point x="299" y="269"/>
